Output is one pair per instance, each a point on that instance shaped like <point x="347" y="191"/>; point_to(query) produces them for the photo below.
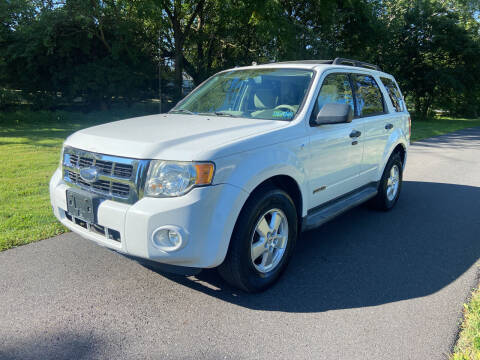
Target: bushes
<point x="9" y="98"/>
<point x="67" y="52"/>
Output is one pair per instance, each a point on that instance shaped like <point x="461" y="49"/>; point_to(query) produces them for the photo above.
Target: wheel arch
<point x="402" y="151"/>
<point x="401" y="148"/>
<point x="287" y="184"/>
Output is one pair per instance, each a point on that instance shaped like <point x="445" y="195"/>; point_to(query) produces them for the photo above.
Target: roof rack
<point x="343" y="61"/>
<point x="306" y="62"/>
<point x="337" y="61"/>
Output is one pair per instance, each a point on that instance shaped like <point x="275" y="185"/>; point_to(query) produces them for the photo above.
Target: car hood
<point x="170" y="136"/>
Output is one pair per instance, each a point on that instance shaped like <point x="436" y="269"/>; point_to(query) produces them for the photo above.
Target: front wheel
<point x="390" y="185"/>
<point x="262" y="241"/>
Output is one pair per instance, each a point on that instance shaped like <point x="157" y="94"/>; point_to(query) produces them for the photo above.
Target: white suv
<point x="236" y="170"/>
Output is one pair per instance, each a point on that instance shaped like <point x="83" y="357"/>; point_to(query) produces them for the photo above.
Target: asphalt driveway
<point x="367" y="285"/>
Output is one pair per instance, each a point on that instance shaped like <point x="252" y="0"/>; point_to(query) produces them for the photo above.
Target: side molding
<point x="332" y="209"/>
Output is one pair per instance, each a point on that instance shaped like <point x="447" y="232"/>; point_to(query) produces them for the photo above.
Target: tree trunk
<point x="426" y="106"/>
<point x="178" y="68"/>
<point x="418" y="107"/>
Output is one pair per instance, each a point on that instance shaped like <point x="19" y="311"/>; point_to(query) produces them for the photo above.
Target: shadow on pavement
<point x="51" y="346"/>
<point x="366" y="258"/>
<point x="464" y="139"/>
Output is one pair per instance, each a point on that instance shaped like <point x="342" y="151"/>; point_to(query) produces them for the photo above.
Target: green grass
<point x="30" y="145"/>
<point x="468" y="344"/>
<point x="443" y="125"/>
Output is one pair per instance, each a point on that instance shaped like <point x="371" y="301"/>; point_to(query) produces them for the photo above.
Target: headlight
<point x="172" y="178"/>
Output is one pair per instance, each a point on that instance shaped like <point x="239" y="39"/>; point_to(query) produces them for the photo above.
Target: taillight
<point x="409" y="127"/>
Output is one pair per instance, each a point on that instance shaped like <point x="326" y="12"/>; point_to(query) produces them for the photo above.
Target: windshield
<point x="273" y="94"/>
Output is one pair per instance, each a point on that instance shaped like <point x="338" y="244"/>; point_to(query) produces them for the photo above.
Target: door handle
<point x="388" y="126"/>
<point x="355" y="134"/>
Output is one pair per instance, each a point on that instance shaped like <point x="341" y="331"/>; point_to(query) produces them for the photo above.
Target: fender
<point x="396" y="137"/>
<point x="251" y="168"/>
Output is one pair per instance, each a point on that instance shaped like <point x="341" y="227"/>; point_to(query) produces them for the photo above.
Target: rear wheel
<point x="262" y="241"/>
<point x="390" y="185"/>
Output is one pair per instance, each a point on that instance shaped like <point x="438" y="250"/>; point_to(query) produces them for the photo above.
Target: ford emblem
<point x="89" y="174"/>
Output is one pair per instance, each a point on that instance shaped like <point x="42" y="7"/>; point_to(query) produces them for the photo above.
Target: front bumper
<point x="205" y="216"/>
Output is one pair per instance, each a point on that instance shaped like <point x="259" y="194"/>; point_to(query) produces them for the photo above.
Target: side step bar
<point x="327" y="212"/>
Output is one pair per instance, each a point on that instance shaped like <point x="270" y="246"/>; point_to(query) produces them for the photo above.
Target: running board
<point x="327" y="212"/>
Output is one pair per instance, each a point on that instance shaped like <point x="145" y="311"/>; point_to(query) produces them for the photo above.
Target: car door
<point x="372" y="113"/>
<point x="336" y="150"/>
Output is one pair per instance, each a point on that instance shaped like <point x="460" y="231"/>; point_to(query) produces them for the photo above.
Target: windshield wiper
<point x="183" y="111"/>
<point x="221" y="113"/>
<point x="218" y="113"/>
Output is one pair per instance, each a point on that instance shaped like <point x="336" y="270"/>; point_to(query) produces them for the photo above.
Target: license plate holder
<point x="83" y="205"/>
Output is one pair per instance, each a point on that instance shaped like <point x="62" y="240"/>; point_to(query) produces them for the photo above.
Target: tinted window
<point x="335" y="89"/>
<point x="393" y="93"/>
<point x="368" y="95"/>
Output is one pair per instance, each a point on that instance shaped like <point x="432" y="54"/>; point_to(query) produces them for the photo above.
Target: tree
<point x="429" y="49"/>
<point x="174" y="19"/>
<point x="90" y="49"/>
<point x="109" y="50"/>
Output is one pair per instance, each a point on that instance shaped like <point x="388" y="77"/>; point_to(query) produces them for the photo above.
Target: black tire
<point x="238" y="268"/>
<point x="381" y="201"/>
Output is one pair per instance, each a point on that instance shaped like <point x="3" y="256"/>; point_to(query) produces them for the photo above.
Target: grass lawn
<point x="468" y="345"/>
<point x="30" y="145"/>
<point x="443" y="125"/>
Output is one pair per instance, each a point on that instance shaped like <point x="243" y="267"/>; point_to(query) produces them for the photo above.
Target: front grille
<point x="122" y="170"/>
<point x="118" y="178"/>
<point x="105" y="167"/>
<point x="104" y="186"/>
<point x="120" y="189"/>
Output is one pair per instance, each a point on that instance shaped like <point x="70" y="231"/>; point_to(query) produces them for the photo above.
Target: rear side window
<point x="394" y="94"/>
<point x="368" y="96"/>
<point x="336" y="89"/>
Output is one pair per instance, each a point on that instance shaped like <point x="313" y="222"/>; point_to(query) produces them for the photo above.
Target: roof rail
<point x="343" y="61"/>
<point x="306" y="62"/>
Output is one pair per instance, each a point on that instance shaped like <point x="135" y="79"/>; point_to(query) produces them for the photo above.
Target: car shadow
<point x="52" y="345"/>
<point x="366" y="258"/>
<point x="465" y="139"/>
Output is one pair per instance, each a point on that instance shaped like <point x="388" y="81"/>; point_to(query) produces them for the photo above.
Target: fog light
<point x="167" y="239"/>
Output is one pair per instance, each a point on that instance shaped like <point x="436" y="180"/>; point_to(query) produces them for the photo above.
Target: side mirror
<point x="334" y="114"/>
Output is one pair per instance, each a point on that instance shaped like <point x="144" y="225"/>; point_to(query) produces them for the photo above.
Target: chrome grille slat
<point x="85" y="162"/>
<point x="122" y="170"/>
<point x="119" y="179"/>
<point x="74" y="159"/>
<point x="104" y="166"/>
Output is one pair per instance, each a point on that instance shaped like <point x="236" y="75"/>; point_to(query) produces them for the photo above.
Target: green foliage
<point x="434" y="56"/>
<point x="468" y="344"/>
<point x="96" y="52"/>
<point x="78" y="51"/>
<point x="9" y="98"/>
